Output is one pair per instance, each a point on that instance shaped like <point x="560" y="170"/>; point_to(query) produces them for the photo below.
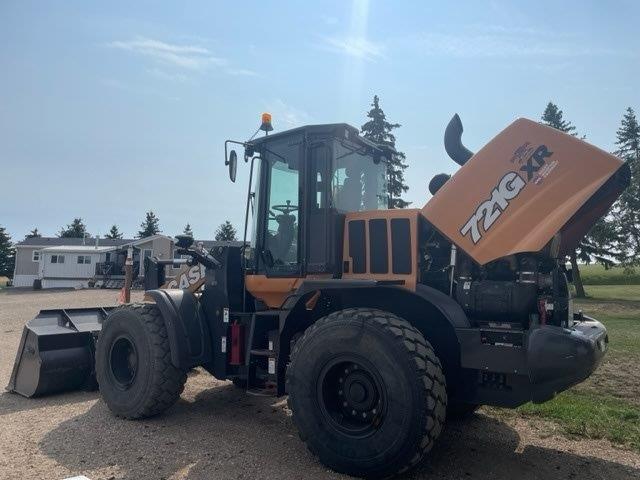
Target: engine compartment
<point x="520" y="291"/>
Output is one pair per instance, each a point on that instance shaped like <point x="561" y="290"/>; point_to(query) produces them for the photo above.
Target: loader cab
<point x="306" y="180"/>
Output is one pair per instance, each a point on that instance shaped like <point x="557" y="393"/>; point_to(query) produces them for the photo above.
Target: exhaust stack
<point x="453" y="142"/>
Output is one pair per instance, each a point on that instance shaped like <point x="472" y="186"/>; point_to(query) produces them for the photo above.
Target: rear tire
<point x="379" y="366"/>
<point x="133" y="363"/>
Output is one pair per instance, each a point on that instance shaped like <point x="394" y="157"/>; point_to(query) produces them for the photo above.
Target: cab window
<point x="282" y="161"/>
<point x="358" y="183"/>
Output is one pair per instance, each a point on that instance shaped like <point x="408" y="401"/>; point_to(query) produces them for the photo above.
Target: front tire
<point x="133" y="363"/>
<point x="367" y="392"/>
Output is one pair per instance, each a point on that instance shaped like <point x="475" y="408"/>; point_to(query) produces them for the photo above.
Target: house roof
<point x="78" y="249"/>
<point x="90" y="243"/>
<point x="44" y="242"/>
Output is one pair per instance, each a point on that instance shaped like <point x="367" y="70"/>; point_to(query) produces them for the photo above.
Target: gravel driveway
<point x="216" y="431"/>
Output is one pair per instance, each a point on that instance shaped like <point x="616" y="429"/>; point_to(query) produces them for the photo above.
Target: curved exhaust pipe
<point x="453" y="142"/>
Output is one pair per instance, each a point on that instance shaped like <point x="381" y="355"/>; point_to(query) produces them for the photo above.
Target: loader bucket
<point x="56" y="352"/>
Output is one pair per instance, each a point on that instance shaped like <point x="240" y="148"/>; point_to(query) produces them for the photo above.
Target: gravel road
<point x="216" y="431"/>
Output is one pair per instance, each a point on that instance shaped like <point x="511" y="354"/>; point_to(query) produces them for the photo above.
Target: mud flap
<point x="56" y="352"/>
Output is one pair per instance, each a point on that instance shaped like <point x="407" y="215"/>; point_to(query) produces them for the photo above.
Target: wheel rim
<point x="123" y="362"/>
<point x="351" y="396"/>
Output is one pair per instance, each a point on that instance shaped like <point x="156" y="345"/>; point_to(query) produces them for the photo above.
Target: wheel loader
<point x="378" y="323"/>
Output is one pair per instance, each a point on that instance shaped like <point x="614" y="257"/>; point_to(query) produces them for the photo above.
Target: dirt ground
<point x="216" y="431"/>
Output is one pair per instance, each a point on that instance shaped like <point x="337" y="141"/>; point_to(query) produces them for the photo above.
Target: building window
<point x="84" y="259"/>
<point x="57" y="258"/>
<point x="35" y="256"/>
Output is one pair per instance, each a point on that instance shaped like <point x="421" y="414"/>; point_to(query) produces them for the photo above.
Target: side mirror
<point x="232" y="162"/>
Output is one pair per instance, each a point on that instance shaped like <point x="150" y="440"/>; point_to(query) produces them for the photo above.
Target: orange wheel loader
<point x="378" y="323"/>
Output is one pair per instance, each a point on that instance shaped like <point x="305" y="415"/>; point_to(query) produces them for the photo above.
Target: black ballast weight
<point x="56" y="352"/>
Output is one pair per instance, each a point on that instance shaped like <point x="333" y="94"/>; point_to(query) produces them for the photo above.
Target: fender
<point x="447" y="306"/>
<point x="187" y="329"/>
<point x="379" y="294"/>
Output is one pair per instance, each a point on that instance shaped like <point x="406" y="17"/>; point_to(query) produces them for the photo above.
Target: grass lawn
<point x="597" y="275"/>
<point x="613" y="292"/>
<point x="607" y="405"/>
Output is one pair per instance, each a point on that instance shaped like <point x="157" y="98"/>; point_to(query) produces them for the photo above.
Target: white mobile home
<point x="70" y="266"/>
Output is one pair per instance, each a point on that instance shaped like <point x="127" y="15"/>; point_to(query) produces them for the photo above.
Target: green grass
<point x="607" y="405"/>
<point x="592" y="416"/>
<point x="624" y="335"/>
<point x="598" y="275"/>
<point x="613" y="292"/>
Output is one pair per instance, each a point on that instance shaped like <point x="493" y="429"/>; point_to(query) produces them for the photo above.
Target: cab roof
<point x="338" y="130"/>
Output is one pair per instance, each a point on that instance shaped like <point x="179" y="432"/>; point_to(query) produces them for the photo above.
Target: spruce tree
<point x="378" y="130"/>
<point x="76" y="229"/>
<point x="598" y="244"/>
<point x="33" y="234"/>
<point x="114" y="233"/>
<point x="628" y="206"/>
<point x="226" y="232"/>
<point x="150" y="226"/>
<point x="187" y="230"/>
<point x="7" y="254"/>
<point x="552" y="116"/>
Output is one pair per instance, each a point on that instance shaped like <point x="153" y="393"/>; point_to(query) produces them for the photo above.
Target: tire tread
<point x="167" y="383"/>
<point x="427" y="365"/>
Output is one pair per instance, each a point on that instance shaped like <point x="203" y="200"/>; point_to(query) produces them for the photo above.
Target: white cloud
<point x="354" y="46"/>
<point x="193" y="57"/>
<point x="190" y="57"/>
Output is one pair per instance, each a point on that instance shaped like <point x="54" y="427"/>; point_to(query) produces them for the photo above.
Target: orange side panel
<point x="274" y="291"/>
<point x="409" y="279"/>
<point x="518" y="191"/>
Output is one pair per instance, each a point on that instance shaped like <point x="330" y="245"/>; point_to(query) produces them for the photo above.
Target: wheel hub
<point x="359" y="391"/>
<point x="123" y="362"/>
<point x="351" y="397"/>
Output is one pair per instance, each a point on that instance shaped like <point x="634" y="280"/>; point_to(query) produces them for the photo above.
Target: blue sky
<point x="109" y="109"/>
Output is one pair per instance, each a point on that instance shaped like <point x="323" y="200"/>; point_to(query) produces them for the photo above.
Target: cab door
<point x="324" y="224"/>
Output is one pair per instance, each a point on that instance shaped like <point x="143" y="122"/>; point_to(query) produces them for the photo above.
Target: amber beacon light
<point x="266" y="122"/>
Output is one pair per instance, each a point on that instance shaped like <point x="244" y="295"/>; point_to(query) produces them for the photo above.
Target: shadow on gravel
<point x="12" y="402"/>
<point x="227" y="434"/>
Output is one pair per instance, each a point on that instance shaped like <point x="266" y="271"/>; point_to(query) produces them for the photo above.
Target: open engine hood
<point x="527" y="184"/>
